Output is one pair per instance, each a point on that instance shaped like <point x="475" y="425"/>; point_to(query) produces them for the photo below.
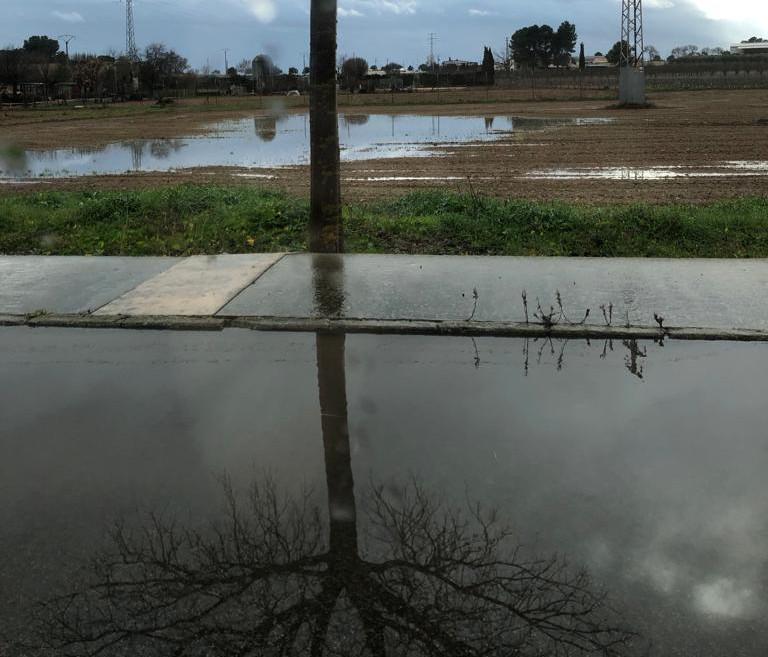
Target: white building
<point x="754" y="48"/>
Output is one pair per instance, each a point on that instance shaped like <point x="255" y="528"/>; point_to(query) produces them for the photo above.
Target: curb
<point x="460" y="328"/>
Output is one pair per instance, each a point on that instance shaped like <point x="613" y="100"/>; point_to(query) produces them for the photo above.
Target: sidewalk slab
<point x="70" y="284"/>
<point x="196" y="286"/>
<point x="727" y="294"/>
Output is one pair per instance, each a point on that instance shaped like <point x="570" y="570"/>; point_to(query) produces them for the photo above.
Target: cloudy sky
<point x="380" y="30"/>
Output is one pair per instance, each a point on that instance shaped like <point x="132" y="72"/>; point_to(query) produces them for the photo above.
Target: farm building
<point x="750" y="48"/>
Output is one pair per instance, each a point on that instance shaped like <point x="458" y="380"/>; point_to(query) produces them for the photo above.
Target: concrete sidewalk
<point x="302" y="290"/>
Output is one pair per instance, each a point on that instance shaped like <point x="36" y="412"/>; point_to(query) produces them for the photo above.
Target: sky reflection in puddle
<point x="619" y="456"/>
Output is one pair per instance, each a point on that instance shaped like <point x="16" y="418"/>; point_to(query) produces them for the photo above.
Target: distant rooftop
<point x="458" y="62"/>
<point x="754" y="47"/>
<point x="597" y="60"/>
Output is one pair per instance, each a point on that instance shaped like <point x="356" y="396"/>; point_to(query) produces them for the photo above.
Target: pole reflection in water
<point x="265" y="127"/>
<point x="328" y="285"/>
<point x="137" y="155"/>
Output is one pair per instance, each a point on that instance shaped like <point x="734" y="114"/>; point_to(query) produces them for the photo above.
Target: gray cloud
<point x="68" y="16"/>
<point x="379" y="30"/>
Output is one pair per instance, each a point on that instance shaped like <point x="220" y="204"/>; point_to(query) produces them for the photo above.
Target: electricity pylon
<point x="130" y="33"/>
<point x="66" y="38"/>
<point x="632" y="46"/>
<point x="631" y="71"/>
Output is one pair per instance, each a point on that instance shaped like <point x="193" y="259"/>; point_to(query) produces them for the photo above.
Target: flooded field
<point x="691" y="147"/>
<point x="271" y="142"/>
<point x="629" y="461"/>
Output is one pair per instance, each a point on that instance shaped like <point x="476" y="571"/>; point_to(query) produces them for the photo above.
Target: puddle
<point x="259" y="176"/>
<point x="640" y="463"/>
<point x="267" y="142"/>
<point x="728" y="169"/>
<point x="405" y="178"/>
<point x="418" y="178"/>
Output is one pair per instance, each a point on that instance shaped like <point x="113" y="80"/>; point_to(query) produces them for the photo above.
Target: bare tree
<point x="325" y="226"/>
<point x="652" y="53"/>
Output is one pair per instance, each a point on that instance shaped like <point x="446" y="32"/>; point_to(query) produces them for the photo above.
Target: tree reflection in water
<point x="397" y="572"/>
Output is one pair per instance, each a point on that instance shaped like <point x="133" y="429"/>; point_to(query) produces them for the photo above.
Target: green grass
<point x="197" y="219"/>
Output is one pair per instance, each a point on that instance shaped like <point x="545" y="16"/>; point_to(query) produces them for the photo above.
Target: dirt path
<point x="690" y="130"/>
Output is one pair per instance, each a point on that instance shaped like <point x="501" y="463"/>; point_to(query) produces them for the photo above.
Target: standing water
<point x="277" y="141"/>
<point x="628" y="461"/>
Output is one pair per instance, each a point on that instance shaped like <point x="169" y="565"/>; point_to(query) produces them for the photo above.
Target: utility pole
<point x="66" y="38"/>
<point x="326" y="232"/>
<point x="226" y="61"/>
<point x="631" y="69"/>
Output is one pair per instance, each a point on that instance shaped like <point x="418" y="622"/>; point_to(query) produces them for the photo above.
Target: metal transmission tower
<point x="631" y="72"/>
<point x="66" y="38"/>
<point x="131" y="52"/>
<point x="432" y="39"/>
<point x="130" y="33"/>
<point x="632" y="46"/>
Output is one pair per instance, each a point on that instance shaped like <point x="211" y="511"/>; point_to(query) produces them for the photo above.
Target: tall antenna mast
<point x="632" y="46"/>
<point x="130" y="33"/>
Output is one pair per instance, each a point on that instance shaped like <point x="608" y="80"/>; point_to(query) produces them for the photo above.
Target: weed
<point x="475" y="297"/>
<point x="607" y="314"/>
<point x="555" y="316"/>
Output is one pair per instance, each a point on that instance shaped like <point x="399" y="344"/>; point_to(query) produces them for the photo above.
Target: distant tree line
<point x="39" y="60"/>
<point x="37" y="70"/>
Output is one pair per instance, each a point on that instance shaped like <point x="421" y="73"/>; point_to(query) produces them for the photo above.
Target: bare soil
<point x="693" y="129"/>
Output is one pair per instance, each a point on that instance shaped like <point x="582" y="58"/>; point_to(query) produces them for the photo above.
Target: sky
<point x="379" y="30"/>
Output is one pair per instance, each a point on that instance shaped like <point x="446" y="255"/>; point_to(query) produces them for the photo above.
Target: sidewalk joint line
<point x="253" y="282"/>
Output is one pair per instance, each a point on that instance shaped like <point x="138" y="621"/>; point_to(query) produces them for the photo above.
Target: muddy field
<point x="690" y="147"/>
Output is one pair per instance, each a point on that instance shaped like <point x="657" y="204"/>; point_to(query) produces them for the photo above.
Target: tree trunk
<point x="325" y="228"/>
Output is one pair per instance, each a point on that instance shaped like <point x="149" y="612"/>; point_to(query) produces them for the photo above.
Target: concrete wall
<point x="631" y="86"/>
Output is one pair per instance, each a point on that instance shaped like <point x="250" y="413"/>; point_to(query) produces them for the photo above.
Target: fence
<point x="736" y="75"/>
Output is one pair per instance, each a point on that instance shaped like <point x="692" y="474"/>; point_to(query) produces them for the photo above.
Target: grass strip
<point x="194" y="219"/>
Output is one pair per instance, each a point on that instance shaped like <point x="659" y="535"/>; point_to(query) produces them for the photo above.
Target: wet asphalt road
<point x="644" y="464"/>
